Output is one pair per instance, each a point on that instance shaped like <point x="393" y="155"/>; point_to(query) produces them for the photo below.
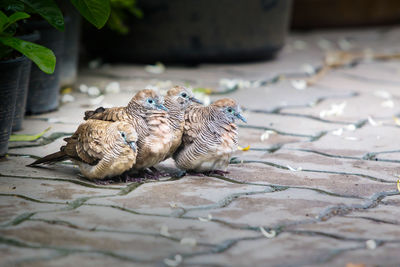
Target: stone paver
<point x="314" y="191"/>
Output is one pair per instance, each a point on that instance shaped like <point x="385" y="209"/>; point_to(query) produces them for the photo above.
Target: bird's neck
<point x="136" y="110"/>
<point x="176" y="113"/>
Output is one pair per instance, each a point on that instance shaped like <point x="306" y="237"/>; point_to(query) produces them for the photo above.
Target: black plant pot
<point x="22" y="91"/>
<point x="44" y="89"/>
<point x="197" y="31"/>
<point x="9" y="77"/>
<point x="69" y="62"/>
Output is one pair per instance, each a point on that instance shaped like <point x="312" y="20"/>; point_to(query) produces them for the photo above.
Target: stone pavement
<point x="317" y="187"/>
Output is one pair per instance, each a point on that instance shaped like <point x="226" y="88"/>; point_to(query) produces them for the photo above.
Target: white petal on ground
<point x="388" y="104"/>
<point x="299" y="84"/>
<point x="175" y="262"/>
<point x="93" y="91"/>
<point x="299" y="45"/>
<point x="351" y="127"/>
<point x="190" y="241"/>
<point x="67" y="98"/>
<point x="351" y="138"/>
<point x="267" y="234"/>
<point x="83" y="88"/>
<point x="373" y="122"/>
<point x="345" y="44"/>
<point x="325" y="44"/>
<point x="164" y="231"/>
<point x="308" y="68"/>
<point x="113" y="88"/>
<point x="382" y="94"/>
<point x="266" y="135"/>
<point x="209" y="218"/>
<point x="294" y="169"/>
<point x="158" y="68"/>
<point x="338" y="132"/>
<point x="335" y="110"/>
<point x="96" y="101"/>
<point x="370" y="244"/>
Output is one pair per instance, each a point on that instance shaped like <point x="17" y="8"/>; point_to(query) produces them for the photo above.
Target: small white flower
<point x="209" y="218"/>
<point x="307" y="68"/>
<point x="351" y="127"/>
<point x="335" y="110"/>
<point x="113" y="88"/>
<point x="266" y="135"/>
<point x="299" y="84"/>
<point x="373" y="122"/>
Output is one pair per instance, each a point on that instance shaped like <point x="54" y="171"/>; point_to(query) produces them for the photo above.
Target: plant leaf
<point x="95" y="11"/>
<point x="43" y="57"/>
<point x="15" y="17"/>
<point x="49" y="10"/>
<point x="27" y="137"/>
<point x="3" y="21"/>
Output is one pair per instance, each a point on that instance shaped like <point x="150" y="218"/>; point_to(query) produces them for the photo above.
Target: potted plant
<point x="11" y="62"/>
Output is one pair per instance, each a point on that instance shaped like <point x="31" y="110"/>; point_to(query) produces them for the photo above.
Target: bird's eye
<point x="150" y="101"/>
<point x="231" y="110"/>
<point x="184" y="94"/>
<point x="123" y="134"/>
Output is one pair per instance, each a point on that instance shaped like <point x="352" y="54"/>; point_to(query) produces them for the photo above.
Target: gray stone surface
<point x="316" y="191"/>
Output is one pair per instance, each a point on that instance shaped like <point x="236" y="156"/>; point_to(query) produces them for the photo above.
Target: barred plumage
<point x="210" y="136"/>
<point x="147" y="114"/>
<point x="100" y="148"/>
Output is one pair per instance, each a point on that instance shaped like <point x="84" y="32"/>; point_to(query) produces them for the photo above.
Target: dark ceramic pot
<point x="197" y="31"/>
<point x="9" y="78"/>
<point x="44" y="89"/>
<point x="22" y="91"/>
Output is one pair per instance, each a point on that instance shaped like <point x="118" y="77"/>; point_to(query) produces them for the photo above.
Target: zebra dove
<point x="210" y="136"/>
<point x="178" y="98"/>
<point x="101" y="149"/>
<point x="149" y="117"/>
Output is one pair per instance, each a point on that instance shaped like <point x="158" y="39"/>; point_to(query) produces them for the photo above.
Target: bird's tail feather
<point x="90" y="113"/>
<point x="50" y="159"/>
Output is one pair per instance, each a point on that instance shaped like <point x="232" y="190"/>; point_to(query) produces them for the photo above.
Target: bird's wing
<point x="195" y="117"/>
<point x="108" y="114"/>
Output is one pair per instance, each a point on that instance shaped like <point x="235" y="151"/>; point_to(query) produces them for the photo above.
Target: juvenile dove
<point x="147" y="114"/>
<point x="210" y="136"/>
<point x="101" y="149"/>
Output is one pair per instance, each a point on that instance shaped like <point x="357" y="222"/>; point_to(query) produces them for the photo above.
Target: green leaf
<point x="95" y="11"/>
<point x="49" y="10"/>
<point x="3" y="21"/>
<point x="43" y="57"/>
<point x="11" y="5"/>
<point x="27" y="137"/>
<point x="16" y="17"/>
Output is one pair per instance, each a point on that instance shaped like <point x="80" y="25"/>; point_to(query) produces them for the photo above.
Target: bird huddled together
<point x="151" y="129"/>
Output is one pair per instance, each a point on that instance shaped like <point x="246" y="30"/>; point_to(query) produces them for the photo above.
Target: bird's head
<point x="230" y="108"/>
<point x="149" y="99"/>
<point x="128" y="134"/>
<point x="182" y="95"/>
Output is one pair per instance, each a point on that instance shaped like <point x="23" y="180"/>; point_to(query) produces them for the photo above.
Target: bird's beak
<point x="193" y="99"/>
<point x="240" y="116"/>
<point x="162" y="107"/>
<point x="132" y="145"/>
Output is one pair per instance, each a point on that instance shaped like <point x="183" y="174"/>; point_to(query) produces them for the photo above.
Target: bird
<point x="177" y="99"/>
<point x="210" y="137"/>
<point x="148" y="115"/>
<point x="101" y="149"/>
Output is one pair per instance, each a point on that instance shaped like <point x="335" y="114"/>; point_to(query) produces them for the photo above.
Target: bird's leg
<point x="158" y="173"/>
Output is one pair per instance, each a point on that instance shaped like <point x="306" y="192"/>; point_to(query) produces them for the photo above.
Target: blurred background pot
<point x="69" y="62"/>
<point x="9" y="77"/>
<point x="196" y="31"/>
<point x="44" y="89"/>
<point x="22" y="90"/>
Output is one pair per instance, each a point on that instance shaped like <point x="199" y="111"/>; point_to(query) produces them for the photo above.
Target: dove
<point x="101" y="149"/>
<point x="147" y="114"/>
<point x="177" y="99"/>
<point x="210" y="137"/>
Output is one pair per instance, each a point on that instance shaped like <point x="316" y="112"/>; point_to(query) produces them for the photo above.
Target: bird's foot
<point x="159" y="173"/>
